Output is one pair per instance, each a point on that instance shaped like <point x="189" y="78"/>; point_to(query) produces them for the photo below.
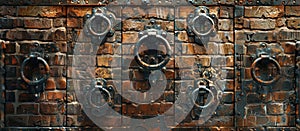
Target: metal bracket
<point x="98" y="91"/>
<point x="264" y="55"/>
<point x="99" y="25"/>
<point x="152" y="60"/>
<point x="37" y="81"/>
<point x="202" y="25"/>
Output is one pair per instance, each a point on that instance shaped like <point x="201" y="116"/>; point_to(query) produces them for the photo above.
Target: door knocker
<point x="38" y="78"/>
<point x="99" y="95"/>
<point x="202" y="25"/>
<point x="202" y="96"/>
<point x="99" y="25"/>
<point x="206" y="93"/>
<point x="263" y="59"/>
<point x="153" y="37"/>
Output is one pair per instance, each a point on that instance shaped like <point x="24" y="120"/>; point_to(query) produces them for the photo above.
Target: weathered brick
<point x="38" y="23"/>
<point x="221" y="120"/>
<point x="133" y="12"/>
<point x="79" y="11"/>
<point x="264" y="11"/>
<point x="104" y="73"/>
<point x="285" y="34"/>
<point x="238" y="23"/>
<point x="59" y="34"/>
<point x="25" y="97"/>
<point x="56" y="96"/>
<point x="6" y="23"/>
<point x="74" y="109"/>
<point x="226" y="48"/>
<point x="225" y="110"/>
<point x="129" y="37"/>
<point x="256" y="109"/>
<point x="51" y="108"/>
<point x="8" y="10"/>
<point x="225" y="24"/>
<point x="12" y="120"/>
<point x="132" y="24"/>
<point x="275" y="108"/>
<point x="59" y="22"/>
<point x="282" y="95"/>
<point x="43" y="11"/>
<point x="292" y="10"/>
<point x="264" y="24"/>
<point x="289" y="47"/>
<point x="28" y="109"/>
<point x="293" y="23"/>
<point x="263" y="36"/>
<point x="61" y="83"/>
<point x="9" y="108"/>
<point x="75" y="22"/>
<point x="228" y="97"/>
<point x="180" y="24"/>
<point x="16" y="34"/>
<point x="280" y="22"/>
<point x="226" y="12"/>
<point x="50" y="84"/>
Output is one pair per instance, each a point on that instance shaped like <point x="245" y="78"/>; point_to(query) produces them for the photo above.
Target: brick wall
<point x="242" y="28"/>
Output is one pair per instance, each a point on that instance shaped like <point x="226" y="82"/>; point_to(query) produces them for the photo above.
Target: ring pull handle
<point x="158" y="61"/>
<point x="99" y="24"/>
<point x="270" y="60"/>
<point x="37" y="59"/>
<point x="100" y="86"/>
<point x="199" y="94"/>
<point x="202" y="25"/>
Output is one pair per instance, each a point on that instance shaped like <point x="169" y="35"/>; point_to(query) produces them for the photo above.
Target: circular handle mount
<point x="149" y="39"/>
<point x="271" y="60"/>
<point x="39" y="81"/>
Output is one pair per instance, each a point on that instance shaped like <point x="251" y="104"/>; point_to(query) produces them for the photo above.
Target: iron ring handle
<point x="101" y="17"/>
<point x="101" y="89"/>
<point x="35" y="82"/>
<point x="193" y="25"/>
<point x="153" y="66"/>
<point x="273" y="61"/>
<point x="196" y="91"/>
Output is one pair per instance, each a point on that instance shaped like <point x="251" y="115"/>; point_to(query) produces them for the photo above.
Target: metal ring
<point x="255" y="77"/>
<point x="101" y="89"/>
<point x="196" y="91"/>
<point x="35" y="82"/>
<point x="155" y="66"/>
<point x="102" y="17"/>
<point x="193" y="25"/>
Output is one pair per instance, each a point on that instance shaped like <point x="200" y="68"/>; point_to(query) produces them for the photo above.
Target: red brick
<point x="79" y="11"/>
<point x="8" y="10"/>
<point x="50" y="84"/>
<point x="226" y="12"/>
<point x="129" y="37"/>
<point x="59" y="22"/>
<point x="263" y="24"/>
<point x="264" y="11"/>
<point x="9" y="108"/>
<point x="275" y="108"/>
<point x="55" y="96"/>
<point x="225" y="24"/>
<point x="75" y="22"/>
<point x="38" y="23"/>
<point x="292" y="10"/>
<point x="28" y="109"/>
<point x="43" y="11"/>
<point x="51" y="108"/>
